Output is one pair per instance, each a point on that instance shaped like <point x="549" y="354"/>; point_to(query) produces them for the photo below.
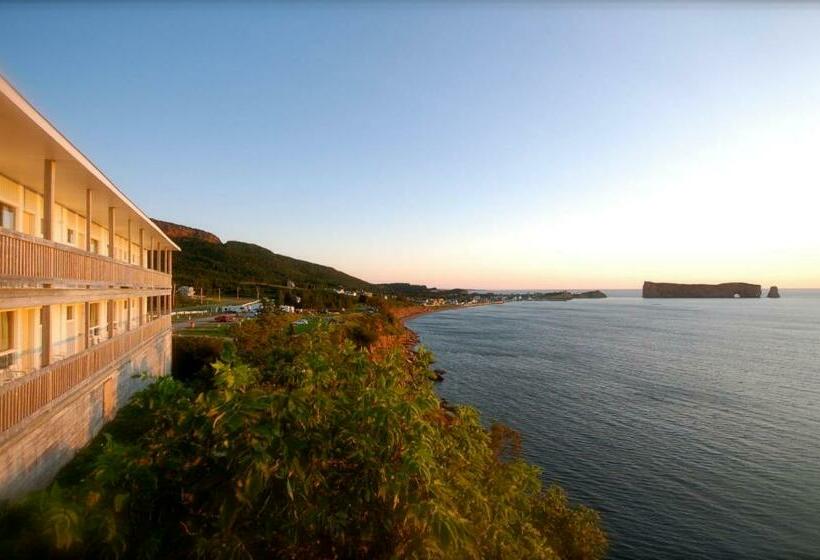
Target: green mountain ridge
<point x="206" y="262"/>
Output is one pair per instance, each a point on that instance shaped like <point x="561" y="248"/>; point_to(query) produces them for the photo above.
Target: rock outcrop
<point x="727" y="290"/>
<point x="177" y="231"/>
<point x="774" y="292"/>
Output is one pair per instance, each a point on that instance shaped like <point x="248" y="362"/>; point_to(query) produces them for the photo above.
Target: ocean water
<point x="693" y="426"/>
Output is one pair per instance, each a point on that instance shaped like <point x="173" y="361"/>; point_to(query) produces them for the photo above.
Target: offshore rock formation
<point x="774" y="292"/>
<point x="728" y="290"/>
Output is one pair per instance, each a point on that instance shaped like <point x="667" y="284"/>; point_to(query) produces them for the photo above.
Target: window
<point x="6" y="339"/>
<point x="93" y="314"/>
<point x="6" y="331"/>
<point x="7" y="214"/>
<point x="70" y="236"/>
<point x="95" y="246"/>
<point x="28" y="223"/>
<point x="69" y="313"/>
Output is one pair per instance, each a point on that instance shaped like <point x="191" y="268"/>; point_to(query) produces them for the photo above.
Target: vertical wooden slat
<point x="19" y="401"/>
<point x="31" y="258"/>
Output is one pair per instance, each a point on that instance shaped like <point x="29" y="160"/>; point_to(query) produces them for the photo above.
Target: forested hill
<point x="208" y="263"/>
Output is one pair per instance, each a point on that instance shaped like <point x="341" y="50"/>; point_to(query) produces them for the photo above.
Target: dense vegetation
<point x="236" y="264"/>
<point x="420" y="291"/>
<point x="308" y="446"/>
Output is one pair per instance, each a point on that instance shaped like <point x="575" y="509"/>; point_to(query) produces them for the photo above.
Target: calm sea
<point x="693" y="426"/>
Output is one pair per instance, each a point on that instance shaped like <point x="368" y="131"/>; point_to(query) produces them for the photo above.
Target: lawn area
<point x="307" y="324"/>
<point x="223" y="330"/>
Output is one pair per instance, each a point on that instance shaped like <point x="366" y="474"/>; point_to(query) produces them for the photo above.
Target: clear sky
<point x="481" y="145"/>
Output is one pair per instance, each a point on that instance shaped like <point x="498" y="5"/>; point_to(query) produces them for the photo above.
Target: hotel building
<point x="85" y="298"/>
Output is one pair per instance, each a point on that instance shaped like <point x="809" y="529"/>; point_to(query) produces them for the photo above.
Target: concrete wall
<point x="34" y="453"/>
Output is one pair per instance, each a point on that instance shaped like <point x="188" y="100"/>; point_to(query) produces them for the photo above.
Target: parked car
<point x="225" y="318"/>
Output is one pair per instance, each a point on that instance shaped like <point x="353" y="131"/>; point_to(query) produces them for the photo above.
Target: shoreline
<point x="407" y="313"/>
<point x="409" y="339"/>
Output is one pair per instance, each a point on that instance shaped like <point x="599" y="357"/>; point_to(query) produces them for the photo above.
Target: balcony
<point x="28" y="259"/>
<point x="23" y="396"/>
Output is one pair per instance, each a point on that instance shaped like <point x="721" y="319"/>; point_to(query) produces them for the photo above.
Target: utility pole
<point x="201" y="296"/>
<point x="237" y="292"/>
<point x="257" y="292"/>
<point x="219" y="296"/>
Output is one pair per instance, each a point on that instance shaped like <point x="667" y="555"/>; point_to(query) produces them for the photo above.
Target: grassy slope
<point x="212" y="265"/>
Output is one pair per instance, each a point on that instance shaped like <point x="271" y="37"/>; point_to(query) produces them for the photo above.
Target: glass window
<point x="70" y="236"/>
<point x="69" y="313"/>
<point x="95" y="246"/>
<point x="28" y="223"/>
<point x="6" y="331"/>
<point x="6" y="216"/>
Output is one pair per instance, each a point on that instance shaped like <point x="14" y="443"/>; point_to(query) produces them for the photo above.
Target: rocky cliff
<point x="727" y="290"/>
<point x="774" y="292"/>
<point x="177" y="231"/>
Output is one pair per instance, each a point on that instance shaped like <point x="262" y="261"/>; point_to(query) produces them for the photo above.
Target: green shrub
<point x="322" y="452"/>
<point x="193" y="356"/>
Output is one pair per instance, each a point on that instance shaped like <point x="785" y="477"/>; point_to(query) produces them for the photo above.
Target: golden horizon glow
<point x="743" y="209"/>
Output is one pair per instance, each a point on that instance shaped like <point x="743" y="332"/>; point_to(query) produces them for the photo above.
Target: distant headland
<point x="727" y="290"/>
<point x="567" y="295"/>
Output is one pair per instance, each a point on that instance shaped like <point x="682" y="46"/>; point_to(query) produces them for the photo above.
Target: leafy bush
<point x="192" y="357"/>
<point x="318" y="452"/>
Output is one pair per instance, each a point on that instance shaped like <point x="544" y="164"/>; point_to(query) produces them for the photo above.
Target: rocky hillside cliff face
<point x="207" y="263"/>
<point x="177" y="231"/>
<point x="727" y="290"/>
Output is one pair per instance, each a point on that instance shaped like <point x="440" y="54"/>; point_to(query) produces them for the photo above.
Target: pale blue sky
<point x="478" y="145"/>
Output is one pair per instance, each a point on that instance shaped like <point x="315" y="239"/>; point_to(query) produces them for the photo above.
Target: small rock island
<point x="727" y="290"/>
<point x="774" y="292"/>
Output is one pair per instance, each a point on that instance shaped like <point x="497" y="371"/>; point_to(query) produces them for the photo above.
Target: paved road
<point x="199" y="322"/>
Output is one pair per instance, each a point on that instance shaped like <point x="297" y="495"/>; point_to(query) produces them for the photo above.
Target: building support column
<point x="129" y="241"/>
<point x="142" y="248"/>
<point x="49" y="191"/>
<point x="141" y="303"/>
<point x="110" y="314"/>
<point x="45" y="330"/>
<point x="88" y="204"/>
<point x="112" y="222"/>
<point x="151" y="254"/>
<point x="87" y="323"/>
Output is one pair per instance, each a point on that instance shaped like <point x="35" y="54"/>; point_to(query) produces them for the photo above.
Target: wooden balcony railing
<point x="31" y="259"/>
<point x="23" y="397"/>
